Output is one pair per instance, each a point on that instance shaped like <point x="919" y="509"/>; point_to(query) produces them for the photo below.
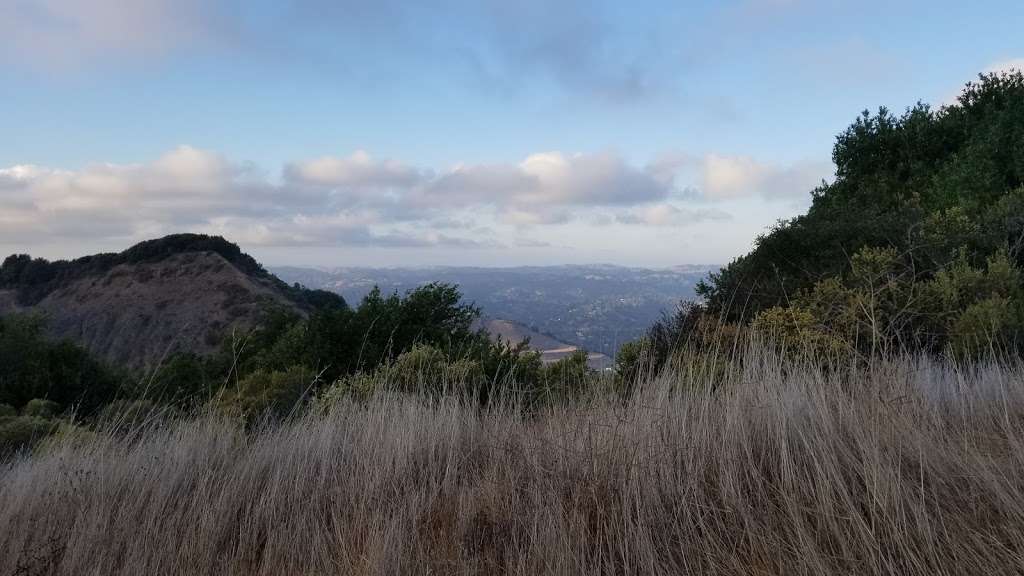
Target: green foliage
<point x="267" y="393"/>
<point x="631" y="362"/>
<point x="343" y="341"/>
<point x="926" y="184"/>
<point x="23" y="432"/>
<point x="797" y="332"/>
<point x="881" y="305"/>
<point x="508" y="371"/>
<point x="33" y="367"/>
<point x="423" y="370"/>
<point x="568" y="377"/>
<point x="40" y="408"/>
<point x="184" y="380"/>
<point x="917" y="244"/>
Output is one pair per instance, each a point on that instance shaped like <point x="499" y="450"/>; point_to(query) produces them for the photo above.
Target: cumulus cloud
<point x="345" y="200"/>
<point x="543" y="188"/>
<point x="725" y="177"/>
<point x="547" y="180"/>
<point x="359" y="200"/>
<point x="359" y="171"/>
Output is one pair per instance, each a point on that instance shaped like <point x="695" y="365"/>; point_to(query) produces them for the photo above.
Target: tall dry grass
<point x="911" y="467"/>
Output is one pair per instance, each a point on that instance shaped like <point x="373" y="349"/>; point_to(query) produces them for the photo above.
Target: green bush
<point x="23" y="432"/>
<point x="984" y="326"/>
<point x="41" y="408"/>
<point x="274" y="393"/>
<point x="568" y="377"/>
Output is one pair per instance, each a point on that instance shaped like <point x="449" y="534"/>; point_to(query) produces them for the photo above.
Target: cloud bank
<point x="360" y="200"/>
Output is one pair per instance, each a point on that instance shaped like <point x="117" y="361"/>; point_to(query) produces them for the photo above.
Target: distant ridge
<point x="178" y="293"/>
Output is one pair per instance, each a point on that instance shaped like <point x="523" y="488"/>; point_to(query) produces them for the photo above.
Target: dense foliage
<point x="918" y="244"/>
<point x="33" y="367"/>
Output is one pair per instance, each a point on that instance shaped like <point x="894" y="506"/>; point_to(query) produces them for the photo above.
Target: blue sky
<point x="456" y="132"/>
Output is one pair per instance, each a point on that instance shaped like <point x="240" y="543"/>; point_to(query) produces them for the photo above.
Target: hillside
<point x="551" y="349"/>
<point x="179" y="293"/>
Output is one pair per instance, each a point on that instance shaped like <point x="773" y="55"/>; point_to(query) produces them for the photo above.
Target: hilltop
<point x="180" y="293"/>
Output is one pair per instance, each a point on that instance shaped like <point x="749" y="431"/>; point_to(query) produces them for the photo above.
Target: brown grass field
<point x="907" y="467"/>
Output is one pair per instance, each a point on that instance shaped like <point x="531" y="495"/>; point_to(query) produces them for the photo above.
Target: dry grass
<point x="911" y="468"/>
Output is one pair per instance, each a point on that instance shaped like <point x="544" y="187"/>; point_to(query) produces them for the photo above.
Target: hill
<point x="178" y="293"/>
<point x="551" y="349"/>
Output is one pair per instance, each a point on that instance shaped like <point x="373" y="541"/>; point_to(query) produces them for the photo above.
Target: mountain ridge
<point x="180" y="293"/>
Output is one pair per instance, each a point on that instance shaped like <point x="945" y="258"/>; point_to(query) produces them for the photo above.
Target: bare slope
<point x="551" y="349"/>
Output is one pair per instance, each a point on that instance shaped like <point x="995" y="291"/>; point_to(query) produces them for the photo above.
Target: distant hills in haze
<point x="596" y="307"/>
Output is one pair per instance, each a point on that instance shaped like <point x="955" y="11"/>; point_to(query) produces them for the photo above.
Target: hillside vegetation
<point x="918" y="244"/>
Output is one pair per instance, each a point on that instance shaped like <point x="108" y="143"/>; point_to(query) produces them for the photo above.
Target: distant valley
<point x="596" y="307"/>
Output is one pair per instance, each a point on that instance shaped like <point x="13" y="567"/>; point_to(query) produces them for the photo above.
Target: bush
<point x="41" y="408"/>
<point x="23" y="432"/>
<point x="568" y="377"/>
<point x="272" y="393"/>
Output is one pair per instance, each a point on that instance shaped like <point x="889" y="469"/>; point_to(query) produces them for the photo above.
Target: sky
<point x="456" y="132"/>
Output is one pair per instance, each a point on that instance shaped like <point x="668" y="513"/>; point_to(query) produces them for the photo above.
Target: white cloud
<point x="724" y="177"/>
<point x="545" y="187"/>
<point x="358" y="170"/>
<point x="358" y="200"/>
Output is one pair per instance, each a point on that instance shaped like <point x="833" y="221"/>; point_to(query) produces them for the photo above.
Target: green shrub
<point x="41" y="408"/>
<point x="984" y="326"/>
<point x="632" y="359"/>
<point x="23" y="432"/>
<point x="568" y="377"/>
<point x="797" y="332"/>
<point x="274" y="393"/>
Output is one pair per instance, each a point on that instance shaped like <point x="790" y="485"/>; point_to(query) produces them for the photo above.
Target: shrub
<point x="23" y="432"/>
<point x="41" y="408"/>
<point x="568" y="377"/>
<point x="273" y="393"/>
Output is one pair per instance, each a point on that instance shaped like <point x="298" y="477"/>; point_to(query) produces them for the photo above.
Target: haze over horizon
<point x="464" y="133"/>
